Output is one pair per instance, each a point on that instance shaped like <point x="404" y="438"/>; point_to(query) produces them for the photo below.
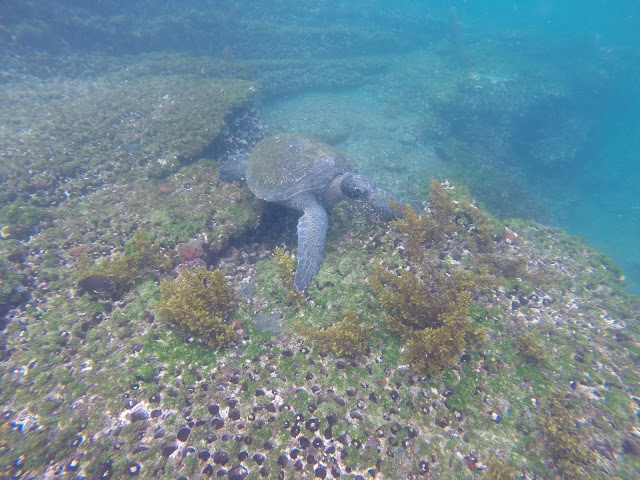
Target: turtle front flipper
<point x="312" y="232"/>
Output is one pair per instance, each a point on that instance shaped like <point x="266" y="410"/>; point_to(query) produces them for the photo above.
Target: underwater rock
<point x="183" y="434"/>
<point x="221" y="457"/>
<point x="271" y="322"/>
<point x="167" y="450"/>
<point x="94" y="284"/>
<point x="131" y="148"/>
<point x="139" y="415"/>
<point x="238" y="472"/>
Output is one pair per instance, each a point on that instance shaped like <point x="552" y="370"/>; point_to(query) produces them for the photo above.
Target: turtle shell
<point x="283" y="166"/>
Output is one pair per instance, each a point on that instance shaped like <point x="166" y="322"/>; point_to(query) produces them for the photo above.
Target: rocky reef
<point x="445" y="344"/>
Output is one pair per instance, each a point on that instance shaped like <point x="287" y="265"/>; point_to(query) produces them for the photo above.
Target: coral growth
<point x="200" y="300"/>
<point x="347" y="337"/>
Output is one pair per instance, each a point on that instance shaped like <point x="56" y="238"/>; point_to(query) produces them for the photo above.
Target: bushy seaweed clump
<point x="563" y="440"/>
<point x="528" y="346"/>
<point x="200" y="300"/>
<point x="141" y="257"/>
<point x="431" y="313"/>
<point x="429" y="304"/>
<point x="347" y="337"/>
<point x="426" y="231"/>
<point x="454" y="218"/>
<point x="287" y="271"/>
<point x="498" y="469"/>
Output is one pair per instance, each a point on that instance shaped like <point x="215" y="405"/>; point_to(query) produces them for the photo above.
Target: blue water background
<point x="597" y="195"/>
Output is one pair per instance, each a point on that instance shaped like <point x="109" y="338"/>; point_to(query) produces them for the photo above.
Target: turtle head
<point x="357" y="188"/>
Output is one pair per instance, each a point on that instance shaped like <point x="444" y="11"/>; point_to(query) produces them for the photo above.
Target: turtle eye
<point x="357" y="192"/>
<point x="356" y="188"/>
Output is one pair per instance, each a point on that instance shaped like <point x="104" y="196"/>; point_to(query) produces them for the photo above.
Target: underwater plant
<point x="141" y="257"/>
<point x="346" y="337"/>
<point x="498" y="469"/>
<point x="428" y="304"/>
<point x="124" y="271"/>
<point x="287" y="272"/>
<point x="422" y="230"/>
<point x="200" y="300"/>
<point x="431" y="313"/>
<point x="563" y="440"/>
<point x="528" y="346"/>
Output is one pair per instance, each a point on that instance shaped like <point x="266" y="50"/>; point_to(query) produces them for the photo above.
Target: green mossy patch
<point x="18" y="220"/>
<point x="117" y="128"/>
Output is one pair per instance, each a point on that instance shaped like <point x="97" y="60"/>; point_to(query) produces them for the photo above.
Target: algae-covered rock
<point x="19" y="221"/>
<point x="110" y="129"/>
<point x="12" y="287"/>
<point x="177" y="209"/>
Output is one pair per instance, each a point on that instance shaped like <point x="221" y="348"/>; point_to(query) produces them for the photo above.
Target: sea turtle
<point x="306" y="175"/>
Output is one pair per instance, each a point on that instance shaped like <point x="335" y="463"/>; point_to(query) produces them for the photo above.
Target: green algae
<point x="564" y="441"/>
<point x="19" y="220"/>
<point x="172" y="119"/>
<point x="499" y="469"/>
<point x="464" y="388"/>
<point x="12" y="285"/>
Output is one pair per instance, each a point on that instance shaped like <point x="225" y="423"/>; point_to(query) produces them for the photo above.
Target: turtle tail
<point x="233" y="169"/>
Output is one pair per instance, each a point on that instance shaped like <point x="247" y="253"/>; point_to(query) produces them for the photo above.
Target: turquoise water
<point x="599" y="199"/>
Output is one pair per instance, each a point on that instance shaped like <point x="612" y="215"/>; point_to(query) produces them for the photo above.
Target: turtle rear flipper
<point x="312" y="232"/>
<point x="234" y="168"/>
